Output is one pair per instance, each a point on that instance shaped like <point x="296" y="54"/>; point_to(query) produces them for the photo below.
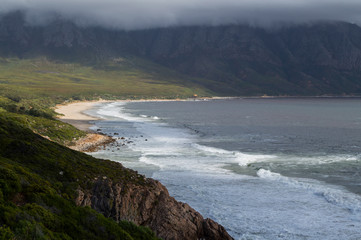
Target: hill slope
<point x="43" y="186"/>
<point x="37" y="188"/>
<point x="114" y="78"/>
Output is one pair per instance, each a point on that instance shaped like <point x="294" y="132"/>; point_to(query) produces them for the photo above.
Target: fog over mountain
<point x="140" y="14"/>
<point x="229" y="59"/>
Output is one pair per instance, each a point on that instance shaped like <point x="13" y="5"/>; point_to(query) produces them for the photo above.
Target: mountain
<point x="310" y="59"/>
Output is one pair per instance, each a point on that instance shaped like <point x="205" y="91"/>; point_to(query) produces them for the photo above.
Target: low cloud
<point x="140" y="14"/>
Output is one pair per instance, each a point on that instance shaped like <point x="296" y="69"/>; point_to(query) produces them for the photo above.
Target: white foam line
<point x="241" y="158"/>
<point x="331" y="194"/>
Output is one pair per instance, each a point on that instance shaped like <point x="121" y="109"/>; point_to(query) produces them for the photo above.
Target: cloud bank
<point x="140" y="14"/>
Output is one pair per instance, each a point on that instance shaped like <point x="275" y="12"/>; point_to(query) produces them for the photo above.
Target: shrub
<point x="9" y="182"/>
<point x="6" y="233"/>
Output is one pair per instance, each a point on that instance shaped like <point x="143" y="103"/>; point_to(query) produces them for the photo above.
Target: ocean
<point x="274" y="168"/>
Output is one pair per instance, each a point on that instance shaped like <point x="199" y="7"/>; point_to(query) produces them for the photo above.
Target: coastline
<point x="164" y="178"/>
<point x="106" y="187"/>
<point x="74" y="114"/>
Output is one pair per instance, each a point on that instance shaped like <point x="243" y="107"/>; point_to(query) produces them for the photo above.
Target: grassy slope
<point x="36" y="200"/>
<point x="117" y="78"/>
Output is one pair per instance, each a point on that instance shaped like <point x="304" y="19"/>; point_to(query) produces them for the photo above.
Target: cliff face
<point x="149" y="205"/>
<point x="322" y="58"/>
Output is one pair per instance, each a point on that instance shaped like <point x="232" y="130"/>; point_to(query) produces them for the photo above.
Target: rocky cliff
<point x="149" y="205"/>
<point x="310" y="59"/>
<point x="46" y="184"/>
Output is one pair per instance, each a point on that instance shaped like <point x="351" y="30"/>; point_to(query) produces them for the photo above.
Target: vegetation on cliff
<point x="38" y="182"/>
<point x="39" y="178"/>
<point x="48" y="191"/>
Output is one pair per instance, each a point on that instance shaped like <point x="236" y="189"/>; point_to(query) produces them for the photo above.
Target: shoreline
<point x="73" y="114"/>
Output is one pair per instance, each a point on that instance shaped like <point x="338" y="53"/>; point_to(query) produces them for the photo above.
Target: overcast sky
<point x="137" y="14"/>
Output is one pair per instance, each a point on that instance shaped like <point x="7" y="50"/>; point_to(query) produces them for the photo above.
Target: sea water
<point x="263" y="168"/>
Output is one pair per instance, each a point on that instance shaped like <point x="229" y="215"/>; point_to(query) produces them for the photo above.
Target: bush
<point x="37" y="201"/>
<point x="9" y="182"/>
<point x="6" y="233"/>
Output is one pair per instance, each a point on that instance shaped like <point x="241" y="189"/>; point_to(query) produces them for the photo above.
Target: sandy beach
<point x="73" y="113"/>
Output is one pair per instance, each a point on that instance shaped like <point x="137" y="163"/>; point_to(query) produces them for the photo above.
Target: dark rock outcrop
<point x="149" y="205"/>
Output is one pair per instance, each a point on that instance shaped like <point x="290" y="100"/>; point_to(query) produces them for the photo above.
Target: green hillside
<point x="116" y="78"/>
<point x="38" y="179"/>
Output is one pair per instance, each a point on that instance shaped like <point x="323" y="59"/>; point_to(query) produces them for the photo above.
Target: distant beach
<point x="73" y="113"/>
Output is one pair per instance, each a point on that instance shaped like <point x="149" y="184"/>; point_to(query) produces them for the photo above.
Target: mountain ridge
<point x="310" y="59"/>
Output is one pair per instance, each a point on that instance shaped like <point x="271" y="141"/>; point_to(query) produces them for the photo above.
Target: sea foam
<point x="241" y="158"/>
<point x="332" y="194"/>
